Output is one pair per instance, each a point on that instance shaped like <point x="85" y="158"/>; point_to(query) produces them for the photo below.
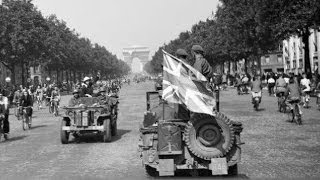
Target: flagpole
<point x="162" y="93"/>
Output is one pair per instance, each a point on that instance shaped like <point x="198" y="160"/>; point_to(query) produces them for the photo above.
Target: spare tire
<point x="208" y="136"/>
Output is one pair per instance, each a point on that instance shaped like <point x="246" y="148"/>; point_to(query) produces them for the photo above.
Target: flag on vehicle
<point x="183" y="84"/>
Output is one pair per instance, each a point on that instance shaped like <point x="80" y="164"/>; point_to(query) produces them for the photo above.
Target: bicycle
<point x="39" y="101"/>
<point x="54" y="107"/>
<point x="295" y="113"/>
<point x="281" y="103"/>
<point x="306" y="99"/>
<point x="26" y="119"/>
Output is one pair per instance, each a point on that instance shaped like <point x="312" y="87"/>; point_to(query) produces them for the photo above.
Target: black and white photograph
<point x="153" y="89"/>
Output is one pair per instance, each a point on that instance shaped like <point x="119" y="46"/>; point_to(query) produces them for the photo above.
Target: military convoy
<point x="90" y="116"/>
<point x="201" y="144"/>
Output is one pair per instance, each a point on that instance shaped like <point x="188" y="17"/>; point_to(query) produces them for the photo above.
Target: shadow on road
<point x="15" y="138"/>
<point x="120" y="133"/>
<point x="39" y="126"/>
<point x="94" y="138"/>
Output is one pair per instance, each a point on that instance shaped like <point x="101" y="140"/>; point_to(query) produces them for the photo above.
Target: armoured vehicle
<point x="90" y="116"/>
<point x="200" y="144"/>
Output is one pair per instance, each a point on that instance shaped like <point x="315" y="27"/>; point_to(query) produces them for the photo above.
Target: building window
<point x="267" y="60"/>
<point x="280" y="59"/>
<point x="315" y="40"/>
<point x="300" y="63"/>
<point x="294" y="50"/>
<point x="294" y="64"/>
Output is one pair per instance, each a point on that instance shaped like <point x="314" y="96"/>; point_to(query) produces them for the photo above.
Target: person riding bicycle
<point x="4" y="102"/>
<point x="292" y="93"/>
<point x="26" y="102"/>
<point x="305" y="84"/>
<point x="55" y="96"/>
<point x="280" y="86"/>
<point x="256" y="88"/>
<point x="39" y="94"/>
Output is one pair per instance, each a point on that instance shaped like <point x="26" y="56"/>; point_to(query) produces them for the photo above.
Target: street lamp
<point x="48" y="79"/>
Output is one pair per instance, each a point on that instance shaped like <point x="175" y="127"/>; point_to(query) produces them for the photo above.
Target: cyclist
<point x="280" y="86"/>
<point x="55" y="97"/>
<point x="292" y="94"/>
<point x="305" y="83"/>
<point x="26" y="102"/>
<point x="39" y="95"/>
<point x="256" y="88"/>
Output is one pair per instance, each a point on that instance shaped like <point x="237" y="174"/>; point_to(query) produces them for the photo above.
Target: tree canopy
<point x="27" y="38"/>
<point x="246" y="29"/>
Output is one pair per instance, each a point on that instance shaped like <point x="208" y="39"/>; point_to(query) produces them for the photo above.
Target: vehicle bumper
<point x="83" y="128"/>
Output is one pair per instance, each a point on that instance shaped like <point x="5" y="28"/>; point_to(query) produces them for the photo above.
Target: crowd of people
<point x="49" y="93"/>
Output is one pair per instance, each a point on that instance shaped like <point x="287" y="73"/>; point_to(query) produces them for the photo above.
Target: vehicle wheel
<point x="209" y="137"/>
<point x="64" y="135"/>
<point x="233" y="170"/>
<point x="151" y="171"/>
<point x="114" y="128"/>
<point x="107" y="130"/>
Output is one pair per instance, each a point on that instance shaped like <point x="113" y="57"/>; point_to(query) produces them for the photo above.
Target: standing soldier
<point x="199" y="62"/>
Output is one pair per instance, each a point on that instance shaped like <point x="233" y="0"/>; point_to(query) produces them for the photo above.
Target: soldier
<point x="182" y="54"/>
<point x="199" y="62"/>
<point x="75" y="100"/>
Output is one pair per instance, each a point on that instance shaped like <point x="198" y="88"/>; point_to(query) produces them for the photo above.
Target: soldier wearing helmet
<point x="199" y="62"/>
<point x="75" y="100"/>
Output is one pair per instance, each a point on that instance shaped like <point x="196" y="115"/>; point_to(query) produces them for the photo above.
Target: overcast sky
<point x="123" y="23"/>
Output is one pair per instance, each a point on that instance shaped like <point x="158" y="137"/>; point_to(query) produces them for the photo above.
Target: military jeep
<point x="89" y="117"/>
<point x="200" y="145"/>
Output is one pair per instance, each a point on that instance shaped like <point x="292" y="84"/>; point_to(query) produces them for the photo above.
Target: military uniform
<point x="74" y="101"/>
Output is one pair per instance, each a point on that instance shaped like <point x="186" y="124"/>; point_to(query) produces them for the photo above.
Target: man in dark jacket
<point x="199" y="62"/>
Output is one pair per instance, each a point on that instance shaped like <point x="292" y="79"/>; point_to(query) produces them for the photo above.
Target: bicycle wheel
<point x="29" y="122"/>
<point x="297" y="115"/>
<point x="24" y="122"/>
<point x="56" y="112"/>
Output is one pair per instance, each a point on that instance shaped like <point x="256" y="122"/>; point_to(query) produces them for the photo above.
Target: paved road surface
<point x="274" y="148"/>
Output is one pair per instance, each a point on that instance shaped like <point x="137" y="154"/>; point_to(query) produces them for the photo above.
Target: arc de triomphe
<point x="136" y="57"/>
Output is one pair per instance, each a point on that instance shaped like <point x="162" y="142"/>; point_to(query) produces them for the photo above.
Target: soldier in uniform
<point x="199" y="62"/>
<point x="75" y="100"/>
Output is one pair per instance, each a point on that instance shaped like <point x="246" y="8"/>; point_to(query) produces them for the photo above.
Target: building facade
<point x="272" y="62"/>
<point x="293" y="53"/>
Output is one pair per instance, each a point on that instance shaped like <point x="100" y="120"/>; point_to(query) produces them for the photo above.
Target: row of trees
<point x="29" y="39"/>
<point x="247" y="29"/>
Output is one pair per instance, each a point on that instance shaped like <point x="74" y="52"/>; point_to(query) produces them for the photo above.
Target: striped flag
<point x="185" y="85"/>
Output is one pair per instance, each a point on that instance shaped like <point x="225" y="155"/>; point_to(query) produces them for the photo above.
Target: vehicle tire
<point x="233" y="170"/>
<point x="64" y="135"/>
<point x="209" y="137"/>
<point x="151" y="171"/>
<point x="114" y="128"/>
<point x="107" y="130"/>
